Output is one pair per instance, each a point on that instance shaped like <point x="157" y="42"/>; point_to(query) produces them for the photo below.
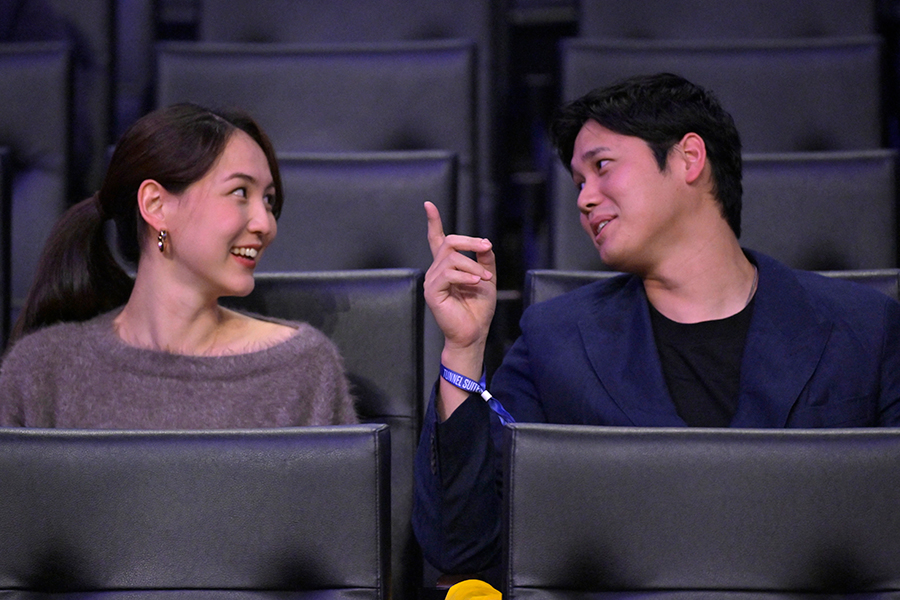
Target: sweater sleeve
<point x="889" y="401"/>
<point x="11" y="400"/>
<point x="23" y="397"/>
<point x="345" y="403"/>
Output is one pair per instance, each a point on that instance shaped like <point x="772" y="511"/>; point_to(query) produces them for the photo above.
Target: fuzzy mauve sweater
<point x="81" y="375"/>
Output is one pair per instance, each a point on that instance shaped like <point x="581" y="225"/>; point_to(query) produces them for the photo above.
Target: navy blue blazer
<point x="820" y="352"/>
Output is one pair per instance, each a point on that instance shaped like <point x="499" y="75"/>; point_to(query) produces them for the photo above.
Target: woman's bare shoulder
<point x="252" y="333"/>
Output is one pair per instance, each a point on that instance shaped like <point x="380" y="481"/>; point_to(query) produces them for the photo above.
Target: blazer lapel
<point x="618" y="339"/>
<point x="784" y="345"/>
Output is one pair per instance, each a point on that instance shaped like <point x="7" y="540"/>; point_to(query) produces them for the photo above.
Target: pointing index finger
<point x="435" y="228"/>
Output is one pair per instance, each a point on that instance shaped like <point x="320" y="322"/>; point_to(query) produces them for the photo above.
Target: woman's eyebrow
<point x="248" y="178"/>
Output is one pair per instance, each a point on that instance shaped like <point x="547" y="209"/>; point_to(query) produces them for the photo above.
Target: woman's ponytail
<point x="77" y="276"/>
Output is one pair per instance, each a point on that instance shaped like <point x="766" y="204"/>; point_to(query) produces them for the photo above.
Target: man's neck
<point x="712" y="282"/>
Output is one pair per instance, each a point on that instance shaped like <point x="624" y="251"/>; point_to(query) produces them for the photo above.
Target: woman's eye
<point x="242" y="192"/>
<point x="269" y="199"/>
<point x="602" y="163"/>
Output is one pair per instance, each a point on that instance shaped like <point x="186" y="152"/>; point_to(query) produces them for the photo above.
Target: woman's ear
<point x="150" y="199"/>
<point x="693" y="150"/>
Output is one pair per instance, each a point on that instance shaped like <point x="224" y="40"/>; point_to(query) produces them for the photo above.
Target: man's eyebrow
<point x="588" y="154"/>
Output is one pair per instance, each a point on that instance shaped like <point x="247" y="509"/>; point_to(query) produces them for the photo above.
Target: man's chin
<point x="609" y="258"/>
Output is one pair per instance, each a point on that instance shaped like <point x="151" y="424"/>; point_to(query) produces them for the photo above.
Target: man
<point x="699" y="332"/>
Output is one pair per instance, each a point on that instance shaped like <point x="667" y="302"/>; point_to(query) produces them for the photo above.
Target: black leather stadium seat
<point x="616" y="513"/>
<point x="762" y="83"/>
<point x="294" y="513"/>
<point x="35" y="124"/>
<point x="713" y="19"/>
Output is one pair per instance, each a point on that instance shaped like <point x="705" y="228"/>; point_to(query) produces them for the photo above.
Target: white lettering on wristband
<point x="476" y="387"/>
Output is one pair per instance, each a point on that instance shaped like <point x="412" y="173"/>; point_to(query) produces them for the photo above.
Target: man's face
<point x="628" y="207"/>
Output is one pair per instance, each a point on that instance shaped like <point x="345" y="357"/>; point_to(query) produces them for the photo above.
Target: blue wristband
<point x="477" y="387"/>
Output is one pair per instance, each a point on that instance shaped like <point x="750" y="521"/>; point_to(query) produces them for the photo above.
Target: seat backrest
<point x="693" y="513"/>
<point x="543" y="284"/>
<point x="338" y="21"/>
<point x="298" y="513"/>
<point x="339" y="98"/>
<point x="5" y="210"/>
<point x="375" y="319"/>
<point x="822" y="210"/>
<point x="358" y="210"/>
<point x="355" y="21"/>
<point x="35" y="124"/>
<point x="836" y="81"/>
<point x="134" y="37"/>
<point x="89" y="27"/>
<point x="886" y="281"/>
<point x="802" y="208"/>
<point x="712" y="19"/>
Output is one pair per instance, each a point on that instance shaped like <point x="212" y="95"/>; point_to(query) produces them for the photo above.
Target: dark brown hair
<point x="660" y="109"/>
<point x="78" y="276"/>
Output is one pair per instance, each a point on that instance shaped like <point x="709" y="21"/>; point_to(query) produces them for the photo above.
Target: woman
<point x="194" y="195"/>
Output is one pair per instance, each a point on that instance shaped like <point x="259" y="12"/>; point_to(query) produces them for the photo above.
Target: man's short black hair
<point x="661" y="109"/>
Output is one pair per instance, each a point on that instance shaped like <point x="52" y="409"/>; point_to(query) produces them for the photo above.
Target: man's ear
<point x="150" y="198"/>
<point x="693" y="152"/>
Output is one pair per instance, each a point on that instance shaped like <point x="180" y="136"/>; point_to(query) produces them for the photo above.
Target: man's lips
<point x="598" y="225"/>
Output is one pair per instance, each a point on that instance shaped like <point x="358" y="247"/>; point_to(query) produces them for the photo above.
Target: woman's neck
<point x="161" y="316"/>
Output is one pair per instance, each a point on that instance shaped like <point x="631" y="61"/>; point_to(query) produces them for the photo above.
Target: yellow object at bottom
<point x="472" y="589"/>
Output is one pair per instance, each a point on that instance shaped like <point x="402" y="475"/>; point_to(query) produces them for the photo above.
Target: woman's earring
<point x="161" y="240"/>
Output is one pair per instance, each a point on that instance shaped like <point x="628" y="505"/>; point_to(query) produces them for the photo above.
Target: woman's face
<point x="220" y="226"/>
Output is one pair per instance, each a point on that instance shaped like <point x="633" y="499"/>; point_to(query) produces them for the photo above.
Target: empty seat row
<point x="784" y="95"/>
<point x="709" y="19"/>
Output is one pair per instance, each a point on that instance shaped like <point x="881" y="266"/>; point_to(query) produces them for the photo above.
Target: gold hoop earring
<point x="161" y="240"/>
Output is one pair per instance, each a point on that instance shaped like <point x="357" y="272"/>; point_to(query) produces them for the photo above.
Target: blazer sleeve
<point x="889" y="399"/>
<point x="456" y="504"/>
<point x="458" y="469"/>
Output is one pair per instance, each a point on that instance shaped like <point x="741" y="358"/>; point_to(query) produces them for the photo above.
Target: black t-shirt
<point x="701" y="363"/>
